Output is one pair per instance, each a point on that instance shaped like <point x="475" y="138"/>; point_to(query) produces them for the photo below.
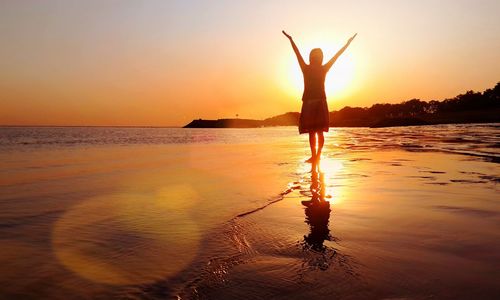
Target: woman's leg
<point x="321" y="142"/>
<point x="312" y="144"/>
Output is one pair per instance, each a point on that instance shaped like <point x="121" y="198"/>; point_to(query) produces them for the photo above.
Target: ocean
<point x="154" y="213"/>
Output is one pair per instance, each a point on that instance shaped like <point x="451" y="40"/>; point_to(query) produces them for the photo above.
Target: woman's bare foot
<point x="310" y="160"/>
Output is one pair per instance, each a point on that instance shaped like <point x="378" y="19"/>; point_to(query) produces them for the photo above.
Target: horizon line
<point x="109" y="126"/>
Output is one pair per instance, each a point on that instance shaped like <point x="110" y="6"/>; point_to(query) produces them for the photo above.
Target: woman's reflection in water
<point x="317" y="255"/>
<point x="317" y="214"/>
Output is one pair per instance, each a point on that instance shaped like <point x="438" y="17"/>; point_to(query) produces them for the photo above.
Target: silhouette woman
<point x="314" y="115"/>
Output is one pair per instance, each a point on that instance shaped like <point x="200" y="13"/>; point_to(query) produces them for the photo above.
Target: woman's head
<point x="316" y="57"/>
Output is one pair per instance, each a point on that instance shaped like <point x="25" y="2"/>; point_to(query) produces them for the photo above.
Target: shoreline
<point x="481" y="117"/>
<point x="184" y="127"/>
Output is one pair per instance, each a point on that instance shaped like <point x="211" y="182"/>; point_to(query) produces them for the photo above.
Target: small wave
<point x="279" y="198"/>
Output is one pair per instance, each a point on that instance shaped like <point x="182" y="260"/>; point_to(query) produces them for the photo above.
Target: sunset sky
<point x="163" y="63"/>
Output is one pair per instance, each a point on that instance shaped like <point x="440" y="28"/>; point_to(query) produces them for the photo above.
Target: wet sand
<point x="225" y="221"/>
<point x="400" y="226"/>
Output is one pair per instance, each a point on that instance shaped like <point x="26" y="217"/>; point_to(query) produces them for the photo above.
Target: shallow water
<point x="216" y="213"/>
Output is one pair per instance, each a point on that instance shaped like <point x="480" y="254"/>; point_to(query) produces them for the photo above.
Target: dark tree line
<point x="416" y="108"/>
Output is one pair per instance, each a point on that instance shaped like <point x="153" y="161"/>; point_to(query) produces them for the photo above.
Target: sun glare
<point x="339" y="80"/>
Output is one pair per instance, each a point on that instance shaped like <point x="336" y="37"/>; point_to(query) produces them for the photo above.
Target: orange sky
<point x="164" y="63"/>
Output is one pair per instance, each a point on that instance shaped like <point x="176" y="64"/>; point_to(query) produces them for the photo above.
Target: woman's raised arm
<point x="302" y="63"/>
<point x="329" y="64"/>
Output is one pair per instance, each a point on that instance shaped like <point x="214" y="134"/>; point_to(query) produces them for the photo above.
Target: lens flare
<point x="125" y="238"/>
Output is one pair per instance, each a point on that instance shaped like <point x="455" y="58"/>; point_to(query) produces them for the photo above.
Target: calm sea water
<point x="473" y="139"/>
<point x="154" y="213"/>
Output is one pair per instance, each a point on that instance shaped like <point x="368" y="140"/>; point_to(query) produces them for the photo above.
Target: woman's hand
<point x="302" y="63"/>
<point x="352" y="38"/>
<point x="287" y="35"/>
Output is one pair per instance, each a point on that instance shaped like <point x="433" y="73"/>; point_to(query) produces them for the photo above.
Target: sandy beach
<point x="212" y="214"/>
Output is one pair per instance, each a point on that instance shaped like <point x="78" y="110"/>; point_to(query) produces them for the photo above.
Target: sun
<point x="339" y="80"/>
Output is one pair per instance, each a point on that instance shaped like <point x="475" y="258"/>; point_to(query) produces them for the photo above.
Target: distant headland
<point x="471" y="107"/>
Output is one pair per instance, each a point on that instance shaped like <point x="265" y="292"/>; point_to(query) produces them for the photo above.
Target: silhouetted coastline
<point x="471" y="107"/>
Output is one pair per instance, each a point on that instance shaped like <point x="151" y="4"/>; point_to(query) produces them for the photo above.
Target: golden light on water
<point x="332" y="174"/>
<point x="333" y="169"/>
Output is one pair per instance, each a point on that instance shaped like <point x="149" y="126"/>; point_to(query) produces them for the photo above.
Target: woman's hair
<point x="316" y="57"/>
